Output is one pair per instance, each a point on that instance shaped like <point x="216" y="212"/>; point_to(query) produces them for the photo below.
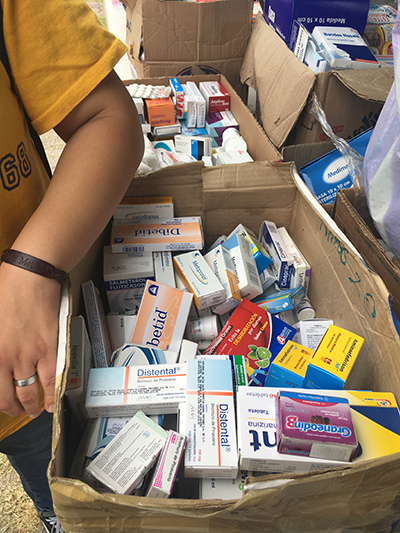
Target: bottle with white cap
<point x="232" y="140"/>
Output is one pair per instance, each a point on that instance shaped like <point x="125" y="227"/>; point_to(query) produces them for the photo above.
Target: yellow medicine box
<point x="289" y="367"/>
<point x="333" y="359"/>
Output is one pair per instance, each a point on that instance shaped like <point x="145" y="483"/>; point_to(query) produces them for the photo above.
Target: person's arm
<point x="104" y="146"/>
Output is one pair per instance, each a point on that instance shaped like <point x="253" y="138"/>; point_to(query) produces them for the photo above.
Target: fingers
<point x="9" y="403"/>
<point x="46" y="369"/>
<point x="29" y="394"/>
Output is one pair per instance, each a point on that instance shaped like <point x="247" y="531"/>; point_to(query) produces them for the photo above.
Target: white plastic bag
<point x="381" y="170"/>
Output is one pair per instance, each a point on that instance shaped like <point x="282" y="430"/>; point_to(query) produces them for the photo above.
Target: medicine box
<point x="231" y="157"/>
<point x="125" y="276"/>
<point x="97" y="326"/>
<point x="330" y="172"/>
<point x="211" y="449"/>
<point x="195" y="146"/>
<point x="166" y="469"/>
<point x="145" y="208"/>
<point x="282" y="260"/>
<point x="190" y="108"/>
<point x="344" y="48"/>
<point x="275" y="301"/>
<point x="200" y="104"/>
<point x="333" y="359"/>
<point x="256" y="334"/>
<point x="288" y="369"/>
<point x="199" y="279"/>
<point x="120" y="329"/>
<point x="314" y="425"/>
<point x="126" y="460"/>
<point x="217" y="123"/>
<point x="134" y="355"/>
<point x="81" y="361"/>
<point x="244" y="266"/>
<point x="177" y="91"/>
<point x="301" y="269"/>
<point x="162" y="317"/>
<point x="164" y="268"/>
<point x="124" y="390"/>
<point x="160" y="111"/>
<point x="220" y="261"/>
<point x="310" y="332"/>
<point x="261" y="256"/>
<point x="188" y="351"/>
<point x="223" y="489"/>
<point x="217" y="97"/>
<point x="163" y="132"/>
<point x="281" y="15"/>
<point x="375" y="416"/>
<point x="168" y="234"/>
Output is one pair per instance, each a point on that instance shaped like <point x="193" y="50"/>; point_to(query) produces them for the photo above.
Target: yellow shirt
<point x="58" y="52"/>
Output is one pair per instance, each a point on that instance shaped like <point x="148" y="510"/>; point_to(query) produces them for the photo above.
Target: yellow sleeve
<point x="58" y="53"/>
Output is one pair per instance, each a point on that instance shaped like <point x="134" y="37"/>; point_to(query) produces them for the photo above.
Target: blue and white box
<point x="135" y="355"/>
<point x="211" y="449"/>
<point x="275" y="301"/>
<point x="125" y="276"/>
<point x="124" y="390"/>
<point x="282" y="260"/>
<point x="330" y="172"/>
<point x="280" y="15"/>
<point x="343" y="48"/>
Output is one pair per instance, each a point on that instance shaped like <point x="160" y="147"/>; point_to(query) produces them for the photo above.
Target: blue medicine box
<point x="281" y="14"/>
<point x="329" y="173"/>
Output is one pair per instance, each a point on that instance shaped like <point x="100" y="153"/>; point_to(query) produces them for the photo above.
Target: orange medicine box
<point x="160" y="111"/>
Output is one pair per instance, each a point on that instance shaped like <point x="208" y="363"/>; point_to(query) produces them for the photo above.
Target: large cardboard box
<point x="361" y="497"/>
<point x="351" y="214"/>
<point x="184" y="38"/>
<point x="259" y="145"/>
<point x="352" y="99"/>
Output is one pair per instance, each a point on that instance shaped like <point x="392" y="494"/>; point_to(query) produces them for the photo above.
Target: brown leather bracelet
<point x="33" y="264"/>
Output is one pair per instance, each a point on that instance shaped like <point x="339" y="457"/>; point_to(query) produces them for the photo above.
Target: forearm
<point x="98" y="162"/>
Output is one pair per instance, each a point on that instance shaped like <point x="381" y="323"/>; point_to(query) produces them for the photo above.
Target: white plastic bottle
<point x="232" y="140"/>
<point x="203" y="329"/>
<point x="304" y="310"/>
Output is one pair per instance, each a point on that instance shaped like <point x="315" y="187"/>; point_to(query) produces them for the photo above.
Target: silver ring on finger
<point x="26" y="382"/>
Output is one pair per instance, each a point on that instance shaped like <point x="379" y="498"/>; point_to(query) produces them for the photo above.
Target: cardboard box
<point x="350" y="212"/>
<point x="361" y="496"/>
<point x="281" y="15"/>
<point x="259" y="146"/>
<point x="351" y="100"/>
<point x="197" y="38"/>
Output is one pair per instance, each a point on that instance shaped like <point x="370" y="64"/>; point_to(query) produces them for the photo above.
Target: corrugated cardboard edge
<point x="264" y="70"/>
<point x="347" y="216"/>
<point x="369" y="84"/>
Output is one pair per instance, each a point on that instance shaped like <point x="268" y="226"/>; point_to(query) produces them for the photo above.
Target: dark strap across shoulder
<point x="34" y="135"/>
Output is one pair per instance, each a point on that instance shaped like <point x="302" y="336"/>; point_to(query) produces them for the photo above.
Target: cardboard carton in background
<point x="361" y="497"/>
<point x="258" y="144"/>
<point x="352" y="100"/>
<point x="184" y="38"/>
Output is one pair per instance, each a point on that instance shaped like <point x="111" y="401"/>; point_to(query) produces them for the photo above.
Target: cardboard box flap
<point x="264" y="71"/>
<point x="191" y="31"/>
<point x="369" y="84"/>
<point x="349" y="212"/>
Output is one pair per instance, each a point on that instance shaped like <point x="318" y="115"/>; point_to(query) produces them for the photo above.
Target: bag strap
<point x="33" y="133"/>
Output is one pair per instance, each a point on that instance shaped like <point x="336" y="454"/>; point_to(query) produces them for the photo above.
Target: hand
<point x="29" y="306"/>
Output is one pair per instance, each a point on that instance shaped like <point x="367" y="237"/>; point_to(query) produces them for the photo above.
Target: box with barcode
<point x="244" y="266"/>
<point x="315" y="425"/>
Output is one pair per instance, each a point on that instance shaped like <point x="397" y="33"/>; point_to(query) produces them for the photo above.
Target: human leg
<point x="29" y="452"/>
